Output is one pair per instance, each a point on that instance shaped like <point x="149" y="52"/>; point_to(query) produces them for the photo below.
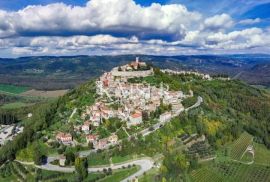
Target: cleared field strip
<point x="240" y="145"/>
<point x="12" y="89"/>
<point x="42" y="93"/>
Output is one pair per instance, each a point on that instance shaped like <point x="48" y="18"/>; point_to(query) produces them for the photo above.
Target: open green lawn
<point x="119" y="175"/>
<point x="262" y="154"/>
<point x="238" y="148"/>
<point x="97" y="159"/>
<point x="14" y="105"/>
<point x="118" y="159"/>
<point x="247" y="157"/>
<point x="12" y="89"/>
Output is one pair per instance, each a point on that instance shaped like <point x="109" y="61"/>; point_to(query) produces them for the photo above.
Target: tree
<point x="38" y="154"/>
<point x="70" y="156"/>
<point x="91" y="145"/>
<point x="145" y="116"/>
<point x="81" y="168"/>
<point x="181" y="162"/>
<point x="194" y="163"/>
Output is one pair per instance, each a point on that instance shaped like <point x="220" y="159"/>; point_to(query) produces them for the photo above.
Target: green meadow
<point x="12" y="89"/>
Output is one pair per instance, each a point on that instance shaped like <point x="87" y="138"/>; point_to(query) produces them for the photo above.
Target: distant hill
<point x="257" y="75"/>
<point x="51" y="73"/>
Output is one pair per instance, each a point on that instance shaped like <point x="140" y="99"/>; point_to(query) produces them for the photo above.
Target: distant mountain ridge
<point x="50" y="72"/>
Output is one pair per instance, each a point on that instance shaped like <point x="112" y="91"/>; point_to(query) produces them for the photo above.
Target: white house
<point x="113" y="138"/>
<point x="86" y="127"/>
<point x="91" y="138"/>
<point x="101" y="144"/>
<point x="135" y="119"/>
<point x="29" y="115"/>
<point x="177" y="108"/>
<point x="62" y="160"/>
<point x="65" y="138"/>
<point x="165" y="117"/>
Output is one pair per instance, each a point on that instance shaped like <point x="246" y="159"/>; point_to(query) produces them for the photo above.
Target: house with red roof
<point x="101" y="144"/>
<point x="86" y="126"/>
<point x="91" y="138"/>
<point x="135" y="119"/>
<point x="65" y="138"/>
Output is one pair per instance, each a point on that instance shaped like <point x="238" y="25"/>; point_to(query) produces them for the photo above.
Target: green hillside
<point x="230" y="108"/>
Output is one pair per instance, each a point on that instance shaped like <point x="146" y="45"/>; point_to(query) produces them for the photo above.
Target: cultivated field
<point x="239" y="147"/>
<point x="231" y="171"/>
<point x="41" y="93"/>
<point x="12" y="89"/>
<point x="205" y="175"/>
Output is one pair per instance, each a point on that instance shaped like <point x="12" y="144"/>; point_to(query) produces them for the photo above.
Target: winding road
<point x="144" y="163"/>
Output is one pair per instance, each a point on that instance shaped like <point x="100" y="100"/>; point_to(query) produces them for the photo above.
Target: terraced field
<point x="230" y="172"/>
<point x="238" y="148"/>
<point x="205" y="175"/>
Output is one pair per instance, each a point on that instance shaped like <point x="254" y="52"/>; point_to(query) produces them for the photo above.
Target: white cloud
<point x="218" y="23"/>
<point x="123" y="27"/>
<point x="253" y="38"/>
<point x="244" y="39"/>
<point x="250" y="21"/>
<point x="98" y="16"/>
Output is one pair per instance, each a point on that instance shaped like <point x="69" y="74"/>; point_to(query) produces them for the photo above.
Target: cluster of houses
<point x="132" y="101"/>
<point x="8" y="132"/>
<point x="203" y="76"/>
<point x="135" y="98"/>
<point x="67" y="139"/>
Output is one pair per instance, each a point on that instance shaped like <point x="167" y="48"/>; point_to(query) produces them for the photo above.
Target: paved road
<point x="197" y="104"/>
<point x="145" y="165"/>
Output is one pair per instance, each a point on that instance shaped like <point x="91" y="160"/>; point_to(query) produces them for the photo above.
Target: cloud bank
<point x="124" y="27"/>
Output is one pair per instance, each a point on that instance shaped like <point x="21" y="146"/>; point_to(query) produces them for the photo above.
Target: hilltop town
<point x="127" y="103"/>
<point x="139" y="117"/>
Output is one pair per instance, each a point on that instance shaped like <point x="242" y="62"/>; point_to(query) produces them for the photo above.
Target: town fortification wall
<point x="132" y="73"/>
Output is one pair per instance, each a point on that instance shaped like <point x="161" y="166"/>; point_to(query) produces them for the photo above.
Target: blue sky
<point x="49" y="27"/>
